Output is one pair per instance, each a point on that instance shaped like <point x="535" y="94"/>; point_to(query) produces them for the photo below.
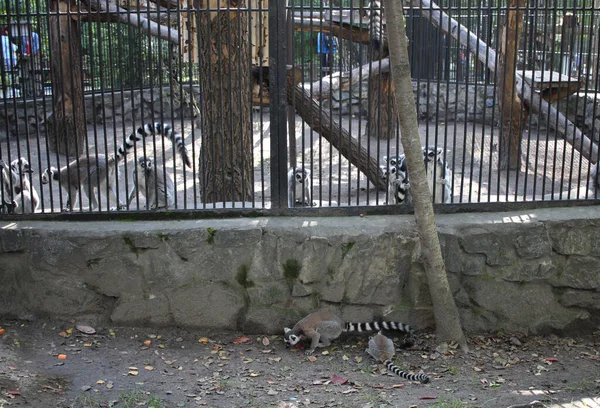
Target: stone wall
<point x="534" y="271"/>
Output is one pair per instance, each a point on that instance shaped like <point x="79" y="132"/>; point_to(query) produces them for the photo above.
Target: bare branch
<point x="120" y="14"/>
<point x="487" y="55"/>
<point x="323" y="88"/>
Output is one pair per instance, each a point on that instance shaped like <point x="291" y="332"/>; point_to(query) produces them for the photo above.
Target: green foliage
<point x="242" y="276"/>
<point x="291" y="269"/>
<point x="211" y="235"/>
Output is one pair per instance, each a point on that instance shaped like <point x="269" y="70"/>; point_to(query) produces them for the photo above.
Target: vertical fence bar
<point x="278" y="103"/>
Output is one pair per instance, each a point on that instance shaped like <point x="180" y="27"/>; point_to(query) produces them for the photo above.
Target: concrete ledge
<point x="533" y="271"/>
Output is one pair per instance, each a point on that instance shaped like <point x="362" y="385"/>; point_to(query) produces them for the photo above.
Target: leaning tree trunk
<point x="514" y="113"/>
<point x="225" y="168"/>
<point x="446" y="316"/>
<point x="66" y="125"/>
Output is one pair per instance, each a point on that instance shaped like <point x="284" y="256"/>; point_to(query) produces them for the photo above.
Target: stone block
<point x="581" y="298"/>
<point x="150" y="310"/>
<point x="575" y="237"/>
<point x="526" y="307"/>
<point x="210" y="306"/>
<point x="579" y="272"/>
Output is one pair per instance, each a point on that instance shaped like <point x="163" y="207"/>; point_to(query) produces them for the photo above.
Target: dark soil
<point x="188" y="369"/>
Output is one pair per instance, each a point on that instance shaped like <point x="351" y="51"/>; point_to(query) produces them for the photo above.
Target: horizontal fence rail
<point x="261" y="107"/>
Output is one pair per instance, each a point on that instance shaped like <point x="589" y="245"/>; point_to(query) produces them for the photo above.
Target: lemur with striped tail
<point x="382" y="349"/>
<point x="322" y="327"/>
<point x="94" y="175"/>
<point x="375" y="14"/>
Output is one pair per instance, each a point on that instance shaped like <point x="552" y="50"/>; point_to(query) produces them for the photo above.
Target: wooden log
<point x="345" y="31"/>
<point x="146" y="25"/>
<point x="487" y="55"/>
<point x="319" y="121"/>
<point x="325" y="87"/>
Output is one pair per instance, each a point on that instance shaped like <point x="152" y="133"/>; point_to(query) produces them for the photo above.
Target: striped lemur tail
<point x="151" y="129"/>
<point x="376" y="16"/>
<point x="411" y="377"/>
<point x="383" y="325"/>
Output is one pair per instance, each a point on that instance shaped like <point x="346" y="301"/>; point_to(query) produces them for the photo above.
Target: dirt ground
<point x="178" y="368"/>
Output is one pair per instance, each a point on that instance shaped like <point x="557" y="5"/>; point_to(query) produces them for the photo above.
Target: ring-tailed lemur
<point x="323" y="326"/>
<point x="299" y="187"/>
<point x="398" y="181"/>
<point x="375" y="14"/>
<point x="381" y="348"/>
<point x="149" y="180"/>
<point x="26" y="196"/>
<point x="595" y="175"/>
<point x="441" y="187"/>
<point x="94" y="174"/>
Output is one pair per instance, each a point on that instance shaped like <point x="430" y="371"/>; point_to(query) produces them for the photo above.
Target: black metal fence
<point x="258" y="89"/>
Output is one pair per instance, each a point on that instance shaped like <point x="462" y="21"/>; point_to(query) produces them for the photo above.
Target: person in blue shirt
<point x="326" y="47"/>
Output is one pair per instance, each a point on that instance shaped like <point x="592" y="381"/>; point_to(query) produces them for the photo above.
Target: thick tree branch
<point x="487" y="55"/>
<point x="122" y="15"/>
<point x="326" y="86"/>
<point x="345" y="31"/>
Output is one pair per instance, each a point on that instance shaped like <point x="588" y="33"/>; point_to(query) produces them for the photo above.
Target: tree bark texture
<point x="66" y="126"/>
<point x="319" y="121"/>
<point x="382" y="122"/>
<point x="487" y="55"/>
<point x="226" y="170"/>
<point x="513" y="111"/>
<point x="445" y="312"/>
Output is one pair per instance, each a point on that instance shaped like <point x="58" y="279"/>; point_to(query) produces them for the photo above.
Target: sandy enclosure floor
<point x="127" y="367"/>
<point x="552" y="169"/>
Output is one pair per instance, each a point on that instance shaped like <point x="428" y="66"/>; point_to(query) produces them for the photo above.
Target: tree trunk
<point x="445" y="312"/>
<point x="514" y="113"/>
<point x="66" y="126"/>
<point x="382" y="108"/>
<point x="226" y="160"/>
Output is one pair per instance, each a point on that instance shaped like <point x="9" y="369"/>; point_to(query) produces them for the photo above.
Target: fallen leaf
<point x="132" y="368"/>
<point x="312" y="359"/>
<point x="336" y="380"/>
<point x="265" y="341"/>
<point x="203" y="340"/>
<point x="398" y="386"/>
<point x="148" y="368"/>
<point x="13" y="392"/>
<point x="551" y="359"/>
<point x="351" y="390"/>
<point x="427" y="397"/>
<point x="240" y="340"/>
<point x="85" y="329"/>
<point x="100" y="382"/>
<point x="133" y="373"/>
<point x="254" y="374"/>
<point x="325" y="353"/>
<point x="63" y="334"/>
<point x="477" y="369"/>
<point x="147" y="342"/>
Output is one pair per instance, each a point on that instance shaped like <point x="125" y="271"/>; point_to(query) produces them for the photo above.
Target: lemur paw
<point x="308" y="352"/>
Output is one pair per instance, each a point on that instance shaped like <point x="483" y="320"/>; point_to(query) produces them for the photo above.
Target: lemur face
<point x="48" y="174"/>
<point x="145" y="163"/>
<point x="21" y="166"/>
<point x="291" y="339"/>
<point x="300" y="175"/>
<point x="431" y="153"/>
